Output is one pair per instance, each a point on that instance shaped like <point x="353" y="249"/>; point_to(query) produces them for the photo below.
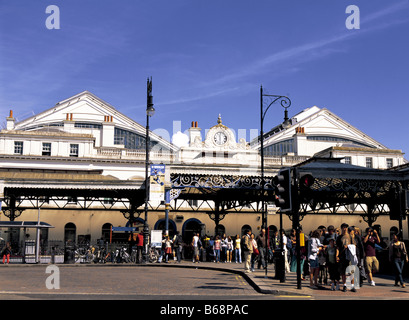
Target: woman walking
<point x="398" y="256"/>
<point x="6" y="253"/>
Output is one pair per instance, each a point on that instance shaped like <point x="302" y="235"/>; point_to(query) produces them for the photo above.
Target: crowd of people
<point x="329" y="255"/>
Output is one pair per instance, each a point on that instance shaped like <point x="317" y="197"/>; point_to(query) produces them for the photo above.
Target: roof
<point x="334" y="168"/>
<point x="24" y="224"/>
<point x="64" y="179"/>
<point x="99" y="108"/>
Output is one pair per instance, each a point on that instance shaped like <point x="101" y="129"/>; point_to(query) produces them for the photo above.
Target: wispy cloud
<point x="314" y="50"/>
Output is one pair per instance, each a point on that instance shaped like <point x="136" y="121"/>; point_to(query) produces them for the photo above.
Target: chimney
<point x="194" y="133"/>
<point x="10" y="121"/>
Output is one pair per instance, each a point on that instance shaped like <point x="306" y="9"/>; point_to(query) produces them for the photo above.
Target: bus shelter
<point x="30" y="248"/>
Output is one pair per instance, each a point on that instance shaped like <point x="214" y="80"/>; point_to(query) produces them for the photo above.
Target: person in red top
<point x="372" y="263"/>
<point x="139" y="246"/>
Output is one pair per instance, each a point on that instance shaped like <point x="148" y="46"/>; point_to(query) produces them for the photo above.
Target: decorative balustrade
<point x="129" y="154"/>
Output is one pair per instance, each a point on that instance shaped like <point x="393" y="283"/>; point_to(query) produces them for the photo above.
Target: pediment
<point x="322" y="122"/>
<point x="88" y="108"/>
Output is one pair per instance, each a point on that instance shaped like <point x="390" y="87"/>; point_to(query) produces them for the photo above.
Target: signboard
<point x="156" y="238"/>
<point x="157" y="183"/>
<point x="271" y="209"/>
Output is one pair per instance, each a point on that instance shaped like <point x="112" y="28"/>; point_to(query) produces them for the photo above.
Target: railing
<point x="129" y="154"/>
<point x="284" y="160"/>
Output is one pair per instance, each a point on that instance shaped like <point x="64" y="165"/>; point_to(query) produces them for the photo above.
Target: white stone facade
<point x="86" y="133"/>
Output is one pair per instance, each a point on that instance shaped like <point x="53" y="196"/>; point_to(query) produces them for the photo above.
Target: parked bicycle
<point x="121" y="255"/>
<point x="153" y="255"/>
<point x="84" y="254"/>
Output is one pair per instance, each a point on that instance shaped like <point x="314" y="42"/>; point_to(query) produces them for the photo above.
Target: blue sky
<point x="210" y="57"/>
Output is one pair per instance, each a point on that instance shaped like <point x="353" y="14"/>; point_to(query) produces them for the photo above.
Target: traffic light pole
<point x="285" y="102"/>
<point x="295" y="208"/>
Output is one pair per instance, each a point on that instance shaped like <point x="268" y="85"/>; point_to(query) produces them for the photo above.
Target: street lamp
<point x="285" y="103"/>
<point x="150" y="110"/>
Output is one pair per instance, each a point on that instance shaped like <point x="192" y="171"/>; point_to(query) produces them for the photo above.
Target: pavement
<point x="264" y="282"/>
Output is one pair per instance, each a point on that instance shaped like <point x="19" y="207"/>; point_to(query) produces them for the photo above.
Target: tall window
<point x="70" y="231"/>
<point x="18" y="147"/>
<point x="389" y="163"/>
<point x="347" y="160"/>
<point x="369" y="163"/>
<point x="74" y="150"/>
<point x="46" y="149"/>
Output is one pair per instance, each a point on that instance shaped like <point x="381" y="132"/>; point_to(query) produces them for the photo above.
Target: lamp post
<point x="285" y="103"/>
<point x="150" y="110"/>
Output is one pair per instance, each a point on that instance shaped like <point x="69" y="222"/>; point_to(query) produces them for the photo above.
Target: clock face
<point x="220" y="138"/>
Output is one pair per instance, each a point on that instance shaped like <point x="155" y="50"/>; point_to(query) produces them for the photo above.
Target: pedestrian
<point x="293" y="239"/>
<point x="371" y="262"/>
<point x="211" y="249"/>
<point x="285" y="251"/>
<point x="314" y="247"/>
<point x="139" y="246"/>
<point x="261" y="245"/>
<point x="360" y="253"/>
<point x="254" y="255"/>
<point x="217" y="248"/>
<point x="6" y="253"/>
<point x="237" y="249"/>
<point x="168" y="248"/>
<point x="196" y="244"/>
<point x="229" y="249"/>
<point x="223" y="244"/>
<point x="398" y="256"/>
<point x="178" y="246"/>
<point x="303" y="253"/>
<point x="343" y="241"/>
<point x="247" y="250"/>
<point x="331" y="234"/>
<point x="332" y="265"/>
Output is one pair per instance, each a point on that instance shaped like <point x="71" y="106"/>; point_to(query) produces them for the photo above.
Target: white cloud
<point x="180" y="139"/>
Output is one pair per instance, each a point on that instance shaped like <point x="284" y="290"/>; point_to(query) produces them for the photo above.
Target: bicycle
<point x="153" y="255"/>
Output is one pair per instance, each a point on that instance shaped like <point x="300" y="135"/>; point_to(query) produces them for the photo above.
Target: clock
<point x="220" y="138"/>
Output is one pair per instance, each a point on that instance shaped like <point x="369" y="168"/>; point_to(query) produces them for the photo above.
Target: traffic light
<point x="282" y="183"/>
<point x="306" y="180"/>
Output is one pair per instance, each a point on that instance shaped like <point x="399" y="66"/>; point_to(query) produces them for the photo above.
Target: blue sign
<point x="157" y="169"/>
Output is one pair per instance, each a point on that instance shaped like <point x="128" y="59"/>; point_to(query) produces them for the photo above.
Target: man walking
<point x="247" y="248"/>
<point x="372" y="263"/>
<point x="196" y="243"/>
<point x="261" y="245"/>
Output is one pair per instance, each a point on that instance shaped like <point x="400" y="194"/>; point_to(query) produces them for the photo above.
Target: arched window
<point x="393" y="230"/>
<point x="106" y="231"/>
<point x="244" y="228"/>
<point x="190" y="227"/>
<point x="161" y="225"/>
<point x="220" y="230"/>
<point x="70" y="233"/>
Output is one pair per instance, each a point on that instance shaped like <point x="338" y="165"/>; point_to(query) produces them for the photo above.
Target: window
<point x="108" y="201"/>
<point x="72" y="200"/>
<point x="74" y="150"/>
<point x="338" y="139"/>
<point x="389" y="163"/>
<point x="18" y="147"/>
<point x="280" y="148"/>
<point x="46" y="149"/>
<point x="193" y="202"/>
<point x="347" y="160"/>
<point x="369" y="163"/>
<point x="87" y="125"/>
